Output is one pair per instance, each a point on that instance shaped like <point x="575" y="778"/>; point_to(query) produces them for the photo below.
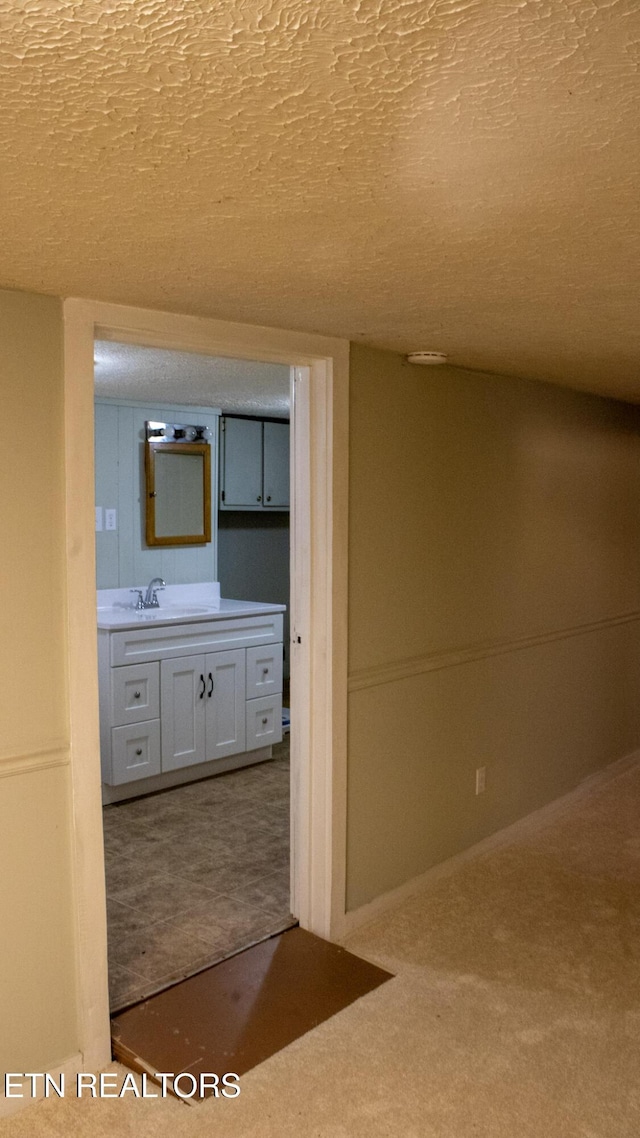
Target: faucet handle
<point x="154" y="602"/>
<point x="140" y="602"/>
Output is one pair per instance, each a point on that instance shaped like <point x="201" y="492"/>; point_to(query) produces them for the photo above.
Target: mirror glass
<point x="178" y="493"/>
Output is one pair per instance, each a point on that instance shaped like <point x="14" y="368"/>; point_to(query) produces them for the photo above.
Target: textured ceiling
<point x="452" y="174"/>
<point x="126" y="372"/>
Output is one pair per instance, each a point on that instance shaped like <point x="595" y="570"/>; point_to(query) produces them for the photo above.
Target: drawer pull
<point x="204" y="687"/>
<point x="138" y="750"/>
<point x="210" y="692"/>
<point x="136" y="695"/>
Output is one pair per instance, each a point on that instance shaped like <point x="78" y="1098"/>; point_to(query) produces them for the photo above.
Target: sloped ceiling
<point x="450" y="174"/>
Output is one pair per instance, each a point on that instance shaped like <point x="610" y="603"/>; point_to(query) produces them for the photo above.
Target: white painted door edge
<point x="320" y="377"/>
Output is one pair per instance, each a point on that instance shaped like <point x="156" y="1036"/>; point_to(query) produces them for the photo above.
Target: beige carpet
<point x="515" y="1010"/>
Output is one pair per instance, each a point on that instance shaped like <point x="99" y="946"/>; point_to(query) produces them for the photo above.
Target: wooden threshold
<point x="241" y="1011"/>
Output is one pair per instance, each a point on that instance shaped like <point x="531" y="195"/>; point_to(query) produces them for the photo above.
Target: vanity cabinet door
<point x="183" y="711"/>
<point x="225" y="703"/>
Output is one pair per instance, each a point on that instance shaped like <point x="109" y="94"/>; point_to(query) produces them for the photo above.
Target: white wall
<point x="123" y="557"/>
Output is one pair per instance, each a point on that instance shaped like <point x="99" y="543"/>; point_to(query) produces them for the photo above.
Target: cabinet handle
<point x="204" y="687"/>
<point x="136" y="695"/>
<point x="138" y="750"/>
<point x="210" y="692"/>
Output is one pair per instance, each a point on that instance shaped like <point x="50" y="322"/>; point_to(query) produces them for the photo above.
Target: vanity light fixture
<point x="427" y="359"/>
<point x="176" y="433"/>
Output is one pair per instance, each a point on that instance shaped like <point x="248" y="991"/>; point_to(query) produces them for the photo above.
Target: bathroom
<point x="197" y="858"/>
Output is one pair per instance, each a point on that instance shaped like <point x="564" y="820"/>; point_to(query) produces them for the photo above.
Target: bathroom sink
<point x="179" y="610"/>
<point x="187" y="603"/>
<point x="112" y="616"/>
<point x="171" y="612"/>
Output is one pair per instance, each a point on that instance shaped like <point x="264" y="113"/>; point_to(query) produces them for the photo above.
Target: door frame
<point x="319" y="535"/>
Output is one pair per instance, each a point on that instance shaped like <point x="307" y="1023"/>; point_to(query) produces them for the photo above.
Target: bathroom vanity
<point x="188" y="688"/>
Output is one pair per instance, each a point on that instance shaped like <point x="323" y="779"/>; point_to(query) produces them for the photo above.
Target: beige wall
<point x="493" y="605"/>
<point x="37" y="971"/>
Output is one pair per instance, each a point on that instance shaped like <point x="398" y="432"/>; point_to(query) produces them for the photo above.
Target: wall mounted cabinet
<point x="254" y="464"/>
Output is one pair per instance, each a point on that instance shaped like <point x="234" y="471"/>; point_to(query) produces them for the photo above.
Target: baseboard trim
<point x="69" y="1068"/>
<point x="381" y="906"/>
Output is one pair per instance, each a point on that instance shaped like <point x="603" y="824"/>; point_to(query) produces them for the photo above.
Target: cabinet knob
<point x="259" y="498"/>
<point x="136" y="695"/>
<point x="138" y="750"/>
<point x="265" y="720"/>
<point x="268" y="497"/>
<point x="266" y="671"/>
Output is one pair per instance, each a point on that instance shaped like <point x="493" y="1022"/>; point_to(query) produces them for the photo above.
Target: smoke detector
<point x="427" y="359"/>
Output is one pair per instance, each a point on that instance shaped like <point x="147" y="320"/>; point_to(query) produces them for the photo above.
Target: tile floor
<point x="195" y="874"/>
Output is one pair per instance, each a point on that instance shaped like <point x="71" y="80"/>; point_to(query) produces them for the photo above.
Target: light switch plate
<point x="110" y="521"/>
<point x="98" y="519"/>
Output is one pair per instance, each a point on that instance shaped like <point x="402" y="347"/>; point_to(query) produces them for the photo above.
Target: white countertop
<point x="177" y="603"/>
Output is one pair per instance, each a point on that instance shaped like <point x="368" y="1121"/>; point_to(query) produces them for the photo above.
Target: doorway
<point x="195" y="821"/>
<point x="319" y="529"/>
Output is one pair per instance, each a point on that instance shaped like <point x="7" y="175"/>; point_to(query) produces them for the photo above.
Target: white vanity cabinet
<point x="187" y="695"/>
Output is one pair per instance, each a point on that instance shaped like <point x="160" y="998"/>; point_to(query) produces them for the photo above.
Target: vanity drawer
<point x="264" y="671"/>
<point x="135" y="752"/>
<point x="135" y="693"/>
<point x="164" y="642"/>
<point x="264" y="721"/>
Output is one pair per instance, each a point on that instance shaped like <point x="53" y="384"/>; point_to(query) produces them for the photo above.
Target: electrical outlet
<point x="481" y="779"/>
<point x="110" y="521"/>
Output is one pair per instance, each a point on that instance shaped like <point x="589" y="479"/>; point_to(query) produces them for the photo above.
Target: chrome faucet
<point x="150" y="599"/>
<point x="151" y="596"/>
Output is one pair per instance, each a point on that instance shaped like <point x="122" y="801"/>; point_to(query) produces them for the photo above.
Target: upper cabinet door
<point x="254" y="464"/>
<point x="241" y="476"/>
<point x="276" y="465"/>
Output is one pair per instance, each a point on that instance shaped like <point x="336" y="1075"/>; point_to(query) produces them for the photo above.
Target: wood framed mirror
<point x="178" y="493"/>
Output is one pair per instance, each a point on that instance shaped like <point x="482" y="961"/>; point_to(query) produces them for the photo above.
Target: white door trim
<point x="319" y="599"/>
